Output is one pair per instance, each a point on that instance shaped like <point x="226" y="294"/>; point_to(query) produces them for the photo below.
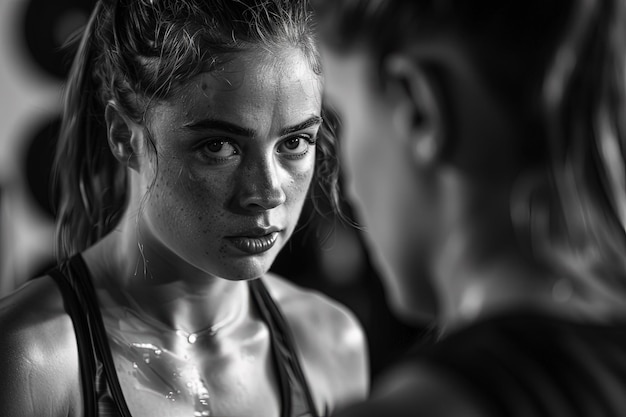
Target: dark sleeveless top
<point x="101" y="388"/>
<point x="535" y="365"/>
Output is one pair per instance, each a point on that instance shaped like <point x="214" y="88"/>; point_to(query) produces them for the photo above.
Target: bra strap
<point x="101" y="342"/>
<point x="86" y="356"/>
<point x="281" y="334"/>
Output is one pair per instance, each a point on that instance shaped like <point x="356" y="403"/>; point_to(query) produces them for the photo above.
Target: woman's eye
<point x="296" y="146"/>
<point x="220" y="148"/>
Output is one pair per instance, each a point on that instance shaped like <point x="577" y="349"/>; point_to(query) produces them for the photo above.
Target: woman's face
<point x="236" y="154"/>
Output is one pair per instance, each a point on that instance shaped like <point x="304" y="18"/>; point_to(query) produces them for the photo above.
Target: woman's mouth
<point x="254" y="244"/>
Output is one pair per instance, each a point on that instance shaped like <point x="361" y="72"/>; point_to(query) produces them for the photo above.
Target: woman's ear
<point x="418" y="114"/>
<point x="125" y="136"/>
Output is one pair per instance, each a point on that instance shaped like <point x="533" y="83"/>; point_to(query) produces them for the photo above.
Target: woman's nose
<point x="260" y="187"/>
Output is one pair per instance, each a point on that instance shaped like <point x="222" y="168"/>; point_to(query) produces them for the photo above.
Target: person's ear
<point x="418" y="114"/>
<point x="125" y="136"/>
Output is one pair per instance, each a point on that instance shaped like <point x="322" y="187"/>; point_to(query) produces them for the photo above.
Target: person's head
<point x="475" y="114"/>
<point x="204" y="116"/>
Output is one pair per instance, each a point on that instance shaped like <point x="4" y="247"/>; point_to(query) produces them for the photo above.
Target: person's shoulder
<point x="31" y="312"/>
<point x="316" y="315"/>
<point x="330" y="338"/>
<point x="311" y="307"/>
<point x="415" y="389"/>
<point x="39" y="355"/>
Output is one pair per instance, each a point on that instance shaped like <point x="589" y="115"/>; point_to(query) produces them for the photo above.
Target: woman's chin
<point x="246" y="269"/>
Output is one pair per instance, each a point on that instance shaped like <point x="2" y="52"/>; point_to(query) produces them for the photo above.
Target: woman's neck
<point x="142" y="274"/>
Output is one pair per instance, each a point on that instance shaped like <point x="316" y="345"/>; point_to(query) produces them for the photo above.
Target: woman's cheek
<point x="299" y="183"/>
<point x="205" y="193"/>
<point x="180" y="195"/>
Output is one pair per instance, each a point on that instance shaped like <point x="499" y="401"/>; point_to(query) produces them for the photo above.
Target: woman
<point x="484" y="143"/>
<point x="192" y="132"/>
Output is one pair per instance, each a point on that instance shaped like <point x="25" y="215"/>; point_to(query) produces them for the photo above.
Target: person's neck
<point x="144" y="275"/>
<point x="478" y="290"/>
<point x="480" y="270"/>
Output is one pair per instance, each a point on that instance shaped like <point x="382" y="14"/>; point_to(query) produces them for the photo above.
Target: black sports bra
<point x="101" y="388"/>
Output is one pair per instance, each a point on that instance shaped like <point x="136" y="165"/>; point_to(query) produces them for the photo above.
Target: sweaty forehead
<point x="253" y="85"/>
<point x="259" y="71"/>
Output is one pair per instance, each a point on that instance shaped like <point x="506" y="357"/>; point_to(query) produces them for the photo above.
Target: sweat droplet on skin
<point x="163" y="373"/>
<point x="185" y="383"/>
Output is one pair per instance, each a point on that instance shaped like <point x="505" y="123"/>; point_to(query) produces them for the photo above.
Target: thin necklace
<point x="190" y="337"/>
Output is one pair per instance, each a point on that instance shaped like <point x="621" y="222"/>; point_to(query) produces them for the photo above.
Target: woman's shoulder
<point x="32" y="312"/>
<point x="39" y="361"/>
<point x="311" y="306"/>
<point x="316" y="315"/>
<point x="329" y="337"/>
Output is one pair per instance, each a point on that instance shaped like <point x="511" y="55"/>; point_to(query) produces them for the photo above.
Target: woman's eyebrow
<point x="224" y="126"/>
<point x="310" y="122"/>
<point x="215" y="124"/>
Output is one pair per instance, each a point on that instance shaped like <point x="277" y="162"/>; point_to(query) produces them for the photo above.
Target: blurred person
<point x="484" y="147"/>
<point x="192" y="132"/>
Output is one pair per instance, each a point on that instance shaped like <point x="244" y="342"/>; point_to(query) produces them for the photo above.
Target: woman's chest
<point x="198" y="380"/>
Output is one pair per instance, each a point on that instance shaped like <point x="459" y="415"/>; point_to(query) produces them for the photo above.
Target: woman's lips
<point x="254" y="244"/>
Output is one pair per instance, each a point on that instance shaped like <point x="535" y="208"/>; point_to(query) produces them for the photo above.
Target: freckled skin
<point x="195" y="203"/>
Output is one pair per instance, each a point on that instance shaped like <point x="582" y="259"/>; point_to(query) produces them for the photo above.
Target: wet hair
<point x="559" y="68"/>
<point x="135" y="52"/>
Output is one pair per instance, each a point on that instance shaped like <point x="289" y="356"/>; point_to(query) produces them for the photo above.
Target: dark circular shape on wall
<point x="39" y="160"/>
<point x="46" y="27"/>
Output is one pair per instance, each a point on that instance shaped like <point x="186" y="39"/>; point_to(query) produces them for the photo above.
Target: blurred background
<point x="324" y="254"/>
